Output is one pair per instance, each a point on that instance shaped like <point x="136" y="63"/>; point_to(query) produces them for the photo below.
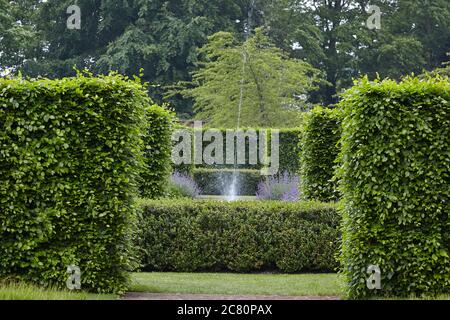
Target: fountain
<point x="231" y="192"/>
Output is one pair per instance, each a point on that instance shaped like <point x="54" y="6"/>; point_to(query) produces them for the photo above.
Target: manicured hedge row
<point x="289" y="150"/>
<point x="395" y="185"/>
<point x="70" y="155"/>
<point x="185" y="168"/>
<point x="158" y="151"/>
<point x="215" y="181"/>
<point x="318" y="152"/>
<point x="238" y="236"/>
<point x="223" y="132"/>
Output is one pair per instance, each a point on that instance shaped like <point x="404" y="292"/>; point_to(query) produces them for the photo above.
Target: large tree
<point x="162" y="36"/>
<point x="333" y="35"/>
<point x="250" y="84"/>
<point x="18" y="36"/>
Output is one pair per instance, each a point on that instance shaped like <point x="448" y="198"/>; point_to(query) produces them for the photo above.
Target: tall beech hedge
<point x="70" y="156"/>
<point x="289" y="150"/>
<point x="158" y="152"/>
<point x="395" y="185"/>
<point x="318" y="152"/>
<point x="185" y="168"/>
<point x="187" y="235"/>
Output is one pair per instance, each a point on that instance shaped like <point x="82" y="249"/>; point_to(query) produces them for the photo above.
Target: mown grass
<point x="22" y="291"/>
<point x="249" y="284"/>
<point x="238" y="284"/>
<point x="203" y="283"/>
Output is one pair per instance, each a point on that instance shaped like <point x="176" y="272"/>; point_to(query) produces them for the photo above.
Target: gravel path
<point x="173" y="296"/>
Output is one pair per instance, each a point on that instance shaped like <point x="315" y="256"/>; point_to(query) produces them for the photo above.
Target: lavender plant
<point x="183" y="186"/>
<point x="284" y="187"/>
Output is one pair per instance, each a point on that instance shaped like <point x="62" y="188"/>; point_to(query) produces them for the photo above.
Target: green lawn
<point x="238" y="284"/>
<point x="29" y="292"/>
<point x="204" y="283"/>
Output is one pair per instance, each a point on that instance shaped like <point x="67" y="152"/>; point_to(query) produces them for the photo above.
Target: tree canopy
<point x="163" y="38"/>
<point x="253" y="82"/>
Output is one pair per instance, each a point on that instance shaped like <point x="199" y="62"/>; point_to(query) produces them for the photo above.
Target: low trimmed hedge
<point x="216" y="181"/>
<point x="395" y="184"/>
<point x="70" y="157"/>
<point x="318" y="152"/>
<point x="186" y="235"/>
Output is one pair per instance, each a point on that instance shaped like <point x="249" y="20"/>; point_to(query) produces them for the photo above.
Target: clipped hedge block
<point x="289" y="150"/>
<point x="223" y="133"/>
<point x="395" y="186"/>
<point x="318" y="152"/>
<point x="70" y="156"/>
<point x="186" y="235"/>
<point x="185" y="168"/>
<point x="158" y="151"/>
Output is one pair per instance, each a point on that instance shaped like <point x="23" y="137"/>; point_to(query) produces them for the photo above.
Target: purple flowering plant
<point x="183" y="186"/>
<point x="284" y="187"/>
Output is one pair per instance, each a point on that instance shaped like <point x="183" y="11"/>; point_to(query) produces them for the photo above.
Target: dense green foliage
<point x="445" y="70"/>
<point x="69" y="161"/>
<point x="318" y="152"/>
<point x="158" y="151"/>
<point x="289" y="150"/>
<point x="162" y="36"/>
<point x="185" y="168"/>
<point x="254" y="81"/>
<point x="239" y="236"/>
<point x="394" y="180"/>
<point x="333" y="35"/>
<point x="245" y="133"/>
<point x="217" y="181"/>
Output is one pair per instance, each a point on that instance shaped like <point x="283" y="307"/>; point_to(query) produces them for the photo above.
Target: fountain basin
<point x="228" y="198"/>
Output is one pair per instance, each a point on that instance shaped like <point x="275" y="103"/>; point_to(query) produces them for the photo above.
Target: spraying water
<point x="233" y="189"/>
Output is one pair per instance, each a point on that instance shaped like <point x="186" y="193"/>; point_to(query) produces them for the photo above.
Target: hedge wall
<point x="289" y="150"/>
<point x="395" y="185"/>
<point x="318" y="152"/>
<point x="223" y="132"/>
<point x="158" y="151"/>
<point x="238" y="236"/>
<point x="215" y="181"/>
<point x="186" y="168"/>
<point x="70" y="154"/>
